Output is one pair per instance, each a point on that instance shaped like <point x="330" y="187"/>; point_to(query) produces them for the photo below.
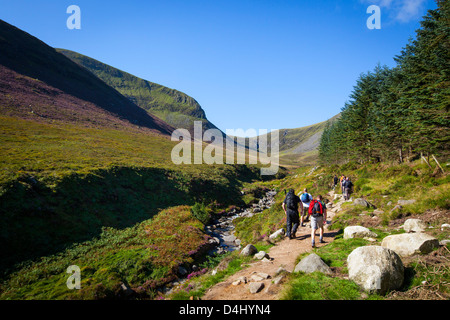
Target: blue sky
<point x="250" y="63"/>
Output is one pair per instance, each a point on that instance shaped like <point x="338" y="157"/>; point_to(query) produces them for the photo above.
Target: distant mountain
<point x="174" y="107"/>
<point x="299" y="146"/>
<point x="38" y="83"/>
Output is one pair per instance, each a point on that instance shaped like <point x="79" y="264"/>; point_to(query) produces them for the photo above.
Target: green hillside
<point x="174" y="107"/>
<point x="299" y="146"/>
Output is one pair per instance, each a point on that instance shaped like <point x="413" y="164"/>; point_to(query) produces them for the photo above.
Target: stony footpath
<point x="263" y="278"/>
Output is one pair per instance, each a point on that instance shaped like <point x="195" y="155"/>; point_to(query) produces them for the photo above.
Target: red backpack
<point x="315" y="208"/>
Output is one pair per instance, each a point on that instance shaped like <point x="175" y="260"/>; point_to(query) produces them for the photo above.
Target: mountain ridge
<point x="174" y="107"/>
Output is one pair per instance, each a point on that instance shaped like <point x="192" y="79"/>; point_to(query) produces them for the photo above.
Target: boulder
<point x="261" y="255"/>
<point x="255" y="287"/>
<point x="414" y="225"/>
<point x="249" y="250"/>
<point x="312" y="263"/>
<point x="358" y="232"/>
<point x="445" y="226"/>
<point x="362" y="202"/>
<point x="375" y="269"/>
<point x="408" y="244"/>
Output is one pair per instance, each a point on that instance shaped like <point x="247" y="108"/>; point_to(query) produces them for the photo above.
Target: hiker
<point x="348" y="188"/>
<point x="335" y="181"/>
<point x="290" y="207"/>
<point x="306" y="198"/>
<point x="342" y="179"/>
<point x="318" y="213"/>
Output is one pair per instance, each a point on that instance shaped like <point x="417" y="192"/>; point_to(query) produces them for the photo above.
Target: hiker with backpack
<point x="342" y="179"/>
<point x="290" y="207"/>
<point x="306" y="198"/>
<point x="335" y="181"/>
<point x="348" y="188"/>
<point x="318" y="213"/>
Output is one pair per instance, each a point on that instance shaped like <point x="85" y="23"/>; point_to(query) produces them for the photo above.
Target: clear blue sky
<point x="249" y="63"/>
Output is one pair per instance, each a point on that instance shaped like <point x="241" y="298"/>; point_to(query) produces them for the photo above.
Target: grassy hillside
<point x="109" y="201"/>
<point x="299" y="146"/>
<point x="57" y="178"/>
<point x="174" y="107"/>
<point x="142" y="257"/>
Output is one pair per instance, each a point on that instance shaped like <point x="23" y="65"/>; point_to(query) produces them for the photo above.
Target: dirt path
<point x="283" y="254"/>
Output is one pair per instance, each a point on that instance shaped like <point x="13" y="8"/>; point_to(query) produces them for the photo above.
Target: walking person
<point x="335" y="181"/>
<point x="342" y="179"/>
<point x="290" y="207"/>
<point x="318" y="213"/>
<point x="306" y="198"/>
<point x="348" y="188"/>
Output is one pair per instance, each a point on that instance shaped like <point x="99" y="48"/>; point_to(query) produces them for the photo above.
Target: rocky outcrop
<point x="376" y="269"/>
<point x="408" y="244"/>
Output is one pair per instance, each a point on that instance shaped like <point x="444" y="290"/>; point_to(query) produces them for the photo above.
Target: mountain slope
<point x="299" y="146"/>
<point x="174" y="107"/>
<point x="39" y="83"/>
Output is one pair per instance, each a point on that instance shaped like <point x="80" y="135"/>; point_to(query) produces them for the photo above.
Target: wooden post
<point x="438" y="163"/>
<point x="426" y="162"/>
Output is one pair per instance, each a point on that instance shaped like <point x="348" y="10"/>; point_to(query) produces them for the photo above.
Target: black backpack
<point x="290" y="202"/>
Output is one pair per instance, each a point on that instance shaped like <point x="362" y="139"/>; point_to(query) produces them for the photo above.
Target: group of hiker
<point x="310" y="208"/>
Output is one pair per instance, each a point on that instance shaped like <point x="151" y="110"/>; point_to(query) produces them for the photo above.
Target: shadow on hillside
<point x="38" y="220"/>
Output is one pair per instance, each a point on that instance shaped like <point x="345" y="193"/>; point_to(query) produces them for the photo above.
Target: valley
<point x="88" y="178"/>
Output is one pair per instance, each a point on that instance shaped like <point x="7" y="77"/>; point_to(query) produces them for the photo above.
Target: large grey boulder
<point x="375" y="269"/>
<point x="358" y="232"/>
<point x="249" y="250"/>
<point x="414" y="225"/>
<point x="312" y="263"/>
<point x="408" y="244"/>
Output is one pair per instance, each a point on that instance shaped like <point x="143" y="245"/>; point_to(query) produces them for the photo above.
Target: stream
<point x="221" y="230"/>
